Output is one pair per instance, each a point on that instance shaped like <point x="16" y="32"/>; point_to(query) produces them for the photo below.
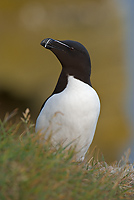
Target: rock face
<point x="96" y="24"/>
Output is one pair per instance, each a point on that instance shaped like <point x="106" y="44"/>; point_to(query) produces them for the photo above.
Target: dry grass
<point x="29" y="170"/>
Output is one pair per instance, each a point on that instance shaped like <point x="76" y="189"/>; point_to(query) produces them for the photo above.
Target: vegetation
<point x="32" y="171"/>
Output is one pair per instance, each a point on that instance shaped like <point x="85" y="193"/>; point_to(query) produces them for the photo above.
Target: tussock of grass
<point x="30" y="170"/>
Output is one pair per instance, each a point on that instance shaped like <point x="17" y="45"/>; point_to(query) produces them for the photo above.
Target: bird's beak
<point x="50" y="43"/>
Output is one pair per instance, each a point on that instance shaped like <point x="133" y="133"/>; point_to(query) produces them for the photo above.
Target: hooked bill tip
<point x="45" y="42"/>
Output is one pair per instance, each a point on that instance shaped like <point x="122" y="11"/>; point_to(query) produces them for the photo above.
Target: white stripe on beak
<point x="62" y="43"/>
<point x="47" y="42"/>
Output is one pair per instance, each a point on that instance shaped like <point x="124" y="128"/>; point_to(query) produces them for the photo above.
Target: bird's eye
<point x="71" y="48"/>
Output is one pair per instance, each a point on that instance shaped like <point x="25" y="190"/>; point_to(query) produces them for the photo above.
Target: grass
<point x="33" y="171"/>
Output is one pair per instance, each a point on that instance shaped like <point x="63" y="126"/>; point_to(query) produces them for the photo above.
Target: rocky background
<point x="28" y="73"/>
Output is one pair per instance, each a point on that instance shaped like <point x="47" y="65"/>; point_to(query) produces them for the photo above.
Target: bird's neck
<point x="63" y="80"/>
<point x="61" y="84"/>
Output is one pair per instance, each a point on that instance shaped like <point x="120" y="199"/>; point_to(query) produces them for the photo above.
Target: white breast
<point x="71" y="116"/>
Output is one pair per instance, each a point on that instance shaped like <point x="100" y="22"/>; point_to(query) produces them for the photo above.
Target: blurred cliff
<point x="28" y="73"/>
<point x="127" y="10"/>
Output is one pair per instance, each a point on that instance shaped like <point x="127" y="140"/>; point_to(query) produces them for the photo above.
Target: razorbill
<point x="71" y="112"/>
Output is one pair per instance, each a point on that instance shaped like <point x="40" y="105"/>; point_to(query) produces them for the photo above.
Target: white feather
<point x="71" y="116"/>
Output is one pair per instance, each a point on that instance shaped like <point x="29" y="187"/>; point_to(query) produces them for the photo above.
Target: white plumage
<point x="71" y="116"/>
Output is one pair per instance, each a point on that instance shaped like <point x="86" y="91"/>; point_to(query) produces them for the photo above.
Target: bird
<point x="71" y="112"/>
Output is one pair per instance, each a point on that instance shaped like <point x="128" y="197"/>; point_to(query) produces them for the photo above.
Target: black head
<point x="73" y="56"/>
